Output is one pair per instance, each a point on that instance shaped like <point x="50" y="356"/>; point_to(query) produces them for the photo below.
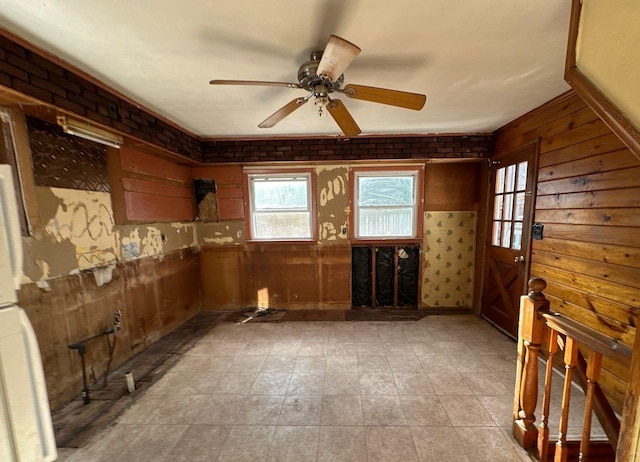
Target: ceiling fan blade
<point x="255" y="82"/>
<point x="283" y="112"/>
<point x="343" y="118"/>
<point x="382" y="95"/>
<point x="336" y="57"/>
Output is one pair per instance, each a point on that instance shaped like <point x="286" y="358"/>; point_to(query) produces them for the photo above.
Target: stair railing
<point x="537" y="324"/>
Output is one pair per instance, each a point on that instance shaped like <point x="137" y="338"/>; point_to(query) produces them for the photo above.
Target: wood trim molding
<point x="597" y="101"/>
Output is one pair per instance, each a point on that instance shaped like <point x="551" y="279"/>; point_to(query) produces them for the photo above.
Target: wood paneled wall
<point x="145" y="188"/>
<point x="588" y="199"/>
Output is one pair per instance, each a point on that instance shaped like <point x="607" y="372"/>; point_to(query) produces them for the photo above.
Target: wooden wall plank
<point x="594" y="216"/>
<point x="599" y="234"/>
<point x="615" y="160"/>
<point x="133" y="161"/>
<point x="158" y="189"/>
<point x="626" y="275"/>
<point x="626" y="178"/>
<point x="147" y="207"/>
<point x="591" y="147"/>
<point x="622" y="197"/>
<point x="616" y="254"/>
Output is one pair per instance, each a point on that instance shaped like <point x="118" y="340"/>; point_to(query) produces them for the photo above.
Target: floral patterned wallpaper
<point x="449" y="248"/>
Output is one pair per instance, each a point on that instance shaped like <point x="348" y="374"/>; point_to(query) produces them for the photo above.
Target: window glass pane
<point x="510" y="178"/>
<point x="497" y="207"/>
<point x="522" y="176"/>
<point x="386" y="222"/>
<point x="517" y="235"/>
<point x="508" y="206"/>
<point x="519" y="206"/>
<point x="495" y="236"/>
<point x="506" y="234"/>
<point x="280" y="193"/>
<point x="500" y="181"/>
<point x="289" y="225"/>
<point x="382" y="191"/>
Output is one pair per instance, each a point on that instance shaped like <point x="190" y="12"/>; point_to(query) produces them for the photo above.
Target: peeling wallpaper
<point x="333" y="203"/>
<point x="79" y="234"/>
<point x="449" y="247"/>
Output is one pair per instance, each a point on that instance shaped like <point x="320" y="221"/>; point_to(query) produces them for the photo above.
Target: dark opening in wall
<point x="385" y="276"/>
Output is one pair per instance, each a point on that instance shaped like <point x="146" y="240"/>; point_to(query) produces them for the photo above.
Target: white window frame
<point x="252" y="177"/>
<point x="416" y="174"/>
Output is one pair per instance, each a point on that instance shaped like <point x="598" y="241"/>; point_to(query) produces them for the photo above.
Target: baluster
<point x="530" y="333"/>
<point x="543" y="429"/>
<point x="594" y="366"/>
<point x="570" y="359"/>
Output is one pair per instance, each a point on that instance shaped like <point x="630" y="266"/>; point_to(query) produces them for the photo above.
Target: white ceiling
<point x="480" y="63"/>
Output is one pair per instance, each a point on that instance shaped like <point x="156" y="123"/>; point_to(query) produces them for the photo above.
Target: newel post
<point x="531" y="329"/>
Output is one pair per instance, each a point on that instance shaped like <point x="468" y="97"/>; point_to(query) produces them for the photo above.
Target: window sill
<point x="389" y="242"/>
<point x="281" y="241"/>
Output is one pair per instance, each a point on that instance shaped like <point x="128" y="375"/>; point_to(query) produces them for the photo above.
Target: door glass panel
<point x="500" y="181"/>
<point x="495" y="239"/>
<point x="519" y="207"/>
<point x="508" y="206"/>
<point x="517" y="235"/>
<point x="510" y="178"/>
<point x="506" y="235"/>
<point x="497" y="209"/>
<point x="522" y="176"/>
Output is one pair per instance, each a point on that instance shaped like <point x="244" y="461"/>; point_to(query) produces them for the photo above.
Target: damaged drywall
<point x="139" y="241"/>
<point x="224" y="233"/>
<point x="77" y="233"/>
<point x="333" y="203"/>
<point x="449" y="250"/>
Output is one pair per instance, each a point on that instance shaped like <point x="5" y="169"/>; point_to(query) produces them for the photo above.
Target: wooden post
<point x="543" y="429"/>
<point x="629" y="442"/>
<point x="530" y="334"/>
<point x="594" y="365"/>
<point x="570" y="360"/>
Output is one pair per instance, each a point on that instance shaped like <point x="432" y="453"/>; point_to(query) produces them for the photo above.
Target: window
<point x="508" y="208"/>
<point x="281" y="205"/>
<point x="386" y="204"/>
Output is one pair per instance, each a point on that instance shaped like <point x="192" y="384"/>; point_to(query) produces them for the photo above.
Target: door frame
<point x="488" y="219"/>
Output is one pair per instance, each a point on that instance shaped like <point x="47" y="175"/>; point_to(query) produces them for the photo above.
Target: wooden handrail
<point x="594" y="340"/>
<point x="536" y="322"/>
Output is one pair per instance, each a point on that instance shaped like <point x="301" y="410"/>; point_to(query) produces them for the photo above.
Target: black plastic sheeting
<point x="384" y="276"/>
<point x="361" y="276"/>
<point x="408" y="272"/>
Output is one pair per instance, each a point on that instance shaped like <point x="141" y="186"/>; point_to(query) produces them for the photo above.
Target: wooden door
<point x="508" y="243"/>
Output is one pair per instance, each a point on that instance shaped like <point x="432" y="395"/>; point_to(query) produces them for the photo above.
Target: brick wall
<point x="318" y="149"/>
<point x="28" y="72"/>
<point x="34" y="74"/>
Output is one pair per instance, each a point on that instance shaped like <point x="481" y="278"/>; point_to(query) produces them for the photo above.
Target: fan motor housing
<point x="308" y="75"/>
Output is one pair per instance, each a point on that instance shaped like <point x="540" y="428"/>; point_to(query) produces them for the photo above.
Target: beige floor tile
<point x="410" y="383"/>
<point x="466" y="411"/>
<point x="235" y="383"/>
<point x="439" y="444"/>
<point x="373" y="363"/>
<point x="342" y="444"/>
<point x="343" y="363"/>
<point x="301" y="410"/>
<point x="199" y="443"/>
<point x="341" y="410"/>
<point x="437" y="364"/>
<point x="404" y="363"/>
<point x="382" y="410"/>
<point x="271" y="383"/>
<point x="390" y="444"/>
<point x="310" y="364"/>
<point x="449" y="384"/>
<point x="217" y="410"/>
<point x="486" y="384"/>
<point x="279" y="363"/>
<point x="259" y="410"/>
<point x="153" y="442"/>
<point x="306" y="383"/>
<point x="342" y="383"/>
<point x="490" y="443"/>
<point x="377" y="383"/>
<point x="298" y="443"/>
<point x="247" y="444"/>
<point x="247" y="363"/>
<point x="425" y="411"/>
<point x="341" y="349"/>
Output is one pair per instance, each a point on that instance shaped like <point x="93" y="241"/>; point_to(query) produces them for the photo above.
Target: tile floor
<point x="439" y="389"/>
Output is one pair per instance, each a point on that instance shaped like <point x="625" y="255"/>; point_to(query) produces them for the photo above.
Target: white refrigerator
<point x="26" y="431"/>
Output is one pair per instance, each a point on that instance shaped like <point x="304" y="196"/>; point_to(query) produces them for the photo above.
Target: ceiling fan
<point x="323" y="75"/>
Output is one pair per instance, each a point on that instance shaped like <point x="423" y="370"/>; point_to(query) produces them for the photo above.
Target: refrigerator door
<point x="10" y="239"/>
<point x="26" y="430"/>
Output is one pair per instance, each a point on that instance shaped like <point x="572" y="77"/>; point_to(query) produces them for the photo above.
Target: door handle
<point x="519" y="259"/>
